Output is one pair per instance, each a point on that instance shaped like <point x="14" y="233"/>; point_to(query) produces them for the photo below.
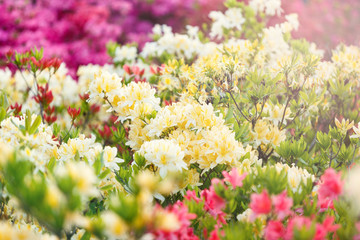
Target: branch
<point x="237" y="106"/>
<point x="332" y="157"/>
<point x="283" y="116"/>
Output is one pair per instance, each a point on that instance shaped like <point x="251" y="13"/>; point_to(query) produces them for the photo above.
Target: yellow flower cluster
<point x="194" y="130"/>
<point x="164" y="154"/>
<point x="10" y="231"/>
<point x="347" y="58"/>
<point x="266" y="133"/>
<point x="135" y="100"/>
<point x="82" y="175"/>
<point x="295" y="175"/>
<point x="86" y="149"/>
<point x="64" y="88"/>
<point x="37" y="147"/>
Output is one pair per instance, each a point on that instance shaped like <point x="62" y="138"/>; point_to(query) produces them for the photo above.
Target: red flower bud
<point x="24" y="61"/>
<point x="73" y="112"/>
<point x="44" y="96"/>
<point x="95" y="108"/>
<point x="106" y="133"/>
<point x="136" y="70"/>
<point x="9" y="54"/>
<point x="113" y="118"/>
<point x="127" y="69"/>
<point x="50" y="110"/>
<point x="156" y="71"/>
<point x="55" y="63"/>
<point x="50" y="119"/>
<point x="84" y="96"/>
<point x="17" y="108"/>
<point x="35" y="62"/>
<point x="49" y="97"/>
<point x="167" y="103"/>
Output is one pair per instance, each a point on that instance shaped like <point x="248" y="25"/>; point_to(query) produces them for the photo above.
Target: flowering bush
<point x="244" y="134"/>
<point x="77" y="31"/>
<point x="328" y="23"/>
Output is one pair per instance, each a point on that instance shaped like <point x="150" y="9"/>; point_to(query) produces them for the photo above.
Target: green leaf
<point x="139" y="160"/>
<point x="99" y="162"/>
<point x="51" y="164"/>
<point x="35" y="125"/>
<point x="104" y="173"/>
<point x="86" y="236"/>
<point x="2" y="114"/>
<point x="27" y="120"/>
<point x="324" y="140"/>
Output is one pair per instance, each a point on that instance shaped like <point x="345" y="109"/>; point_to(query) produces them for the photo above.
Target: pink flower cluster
<point x="276" y="229"/>
<point x="183" y="216"/>
<point x="330" y="188"/>
<point x="74" y="30"/>
<point x="282" y="222"/>
<point x="213" y="203"/>
<point x="326" y="22"/>
<point x="77" y="30"/>
<point x="262" y="204"/>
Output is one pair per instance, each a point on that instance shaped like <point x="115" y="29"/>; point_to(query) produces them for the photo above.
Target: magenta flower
<point x="274" y="230"/>
<point x="282" y="205"/>
<point x="214" y="204"/>
<point x="77" y="30"/>
<point x="184" y="230"/>
<point x="331" y="185"/>
<point x="192" y="195"/>
<point x="297" y="222"/>
<point x="260" y="203"/>
<point x="234" y="177"/>
<point x="322" y="230"/>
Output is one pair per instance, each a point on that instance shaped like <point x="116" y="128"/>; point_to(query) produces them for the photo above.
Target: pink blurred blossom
<point x="260" y="203"/>
<point x="282" y="205"/>
<point x="331" y="185"/>
<point x="274" y="230"/>
<point x="234" y="177"/>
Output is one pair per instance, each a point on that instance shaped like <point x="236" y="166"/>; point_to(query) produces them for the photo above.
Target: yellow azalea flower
<point x="357" y="131"/>
<point x="115" y="227"/>
<point x="344" y="125"/>
<point x="166" y="221"/>
<point x="164" y="154"/>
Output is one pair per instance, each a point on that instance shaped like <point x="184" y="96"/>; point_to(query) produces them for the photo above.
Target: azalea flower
<point x="282" y="205"/>
<point x="274" y="230"/>
<point x="164" y="154"/>
<point x="331" y="185"/>
<point x="260" y="203"/>
<point x="234" y="177"/>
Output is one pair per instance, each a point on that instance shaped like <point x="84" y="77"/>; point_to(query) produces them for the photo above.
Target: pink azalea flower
<point x="260" y="203"/>
<point x="357" y="237"/>
<point x="214" y="203"/>
<point x="325" y="204"/>
<point x="297" y="222"/>
<point x="274" y="230"/>
<point x="322" y="230"/>
<point x="192" y="195"/>
<point x="184" y="231"/>
<point x="331" y="185"/>
<point x="320" y="233"/>
<point x="214" y="235"/>
<point x="282" y="205"/>
<point x="329" y="224"/>
<point x="234" y="177"/>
